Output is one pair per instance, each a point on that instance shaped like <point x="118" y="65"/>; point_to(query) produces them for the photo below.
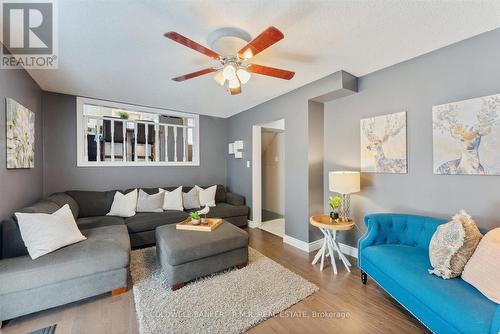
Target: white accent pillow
<point x="149" y="203"/>
<point x="44" y="233"/>
<point x="483" y="269"/>
<point x="207" y="196"/>
<point x="124" y="205"/>
<point x="172" y="200"/>
<point x="191" y="199"/>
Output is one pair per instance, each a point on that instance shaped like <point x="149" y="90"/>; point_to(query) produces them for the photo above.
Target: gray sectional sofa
<point x="91" y="267"/>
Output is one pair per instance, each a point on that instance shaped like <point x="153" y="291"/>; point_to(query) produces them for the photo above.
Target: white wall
<point x="273" y="171"/>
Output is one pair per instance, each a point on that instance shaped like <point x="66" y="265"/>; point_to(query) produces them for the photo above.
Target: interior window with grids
<point x="117" y="134"/>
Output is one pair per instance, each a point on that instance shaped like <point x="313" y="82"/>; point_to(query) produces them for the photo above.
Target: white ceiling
<point x="115" y="50"/>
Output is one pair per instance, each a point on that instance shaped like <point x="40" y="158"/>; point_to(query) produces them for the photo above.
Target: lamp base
<point x="345" y="208"/>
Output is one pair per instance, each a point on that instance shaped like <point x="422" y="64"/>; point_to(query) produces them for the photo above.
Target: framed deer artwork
<point x="466" y="137"/>
<point x="383" y="144"/>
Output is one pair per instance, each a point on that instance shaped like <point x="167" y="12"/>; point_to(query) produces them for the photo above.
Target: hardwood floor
<point x="348" y="306"/>
<point x="342" y="305"/>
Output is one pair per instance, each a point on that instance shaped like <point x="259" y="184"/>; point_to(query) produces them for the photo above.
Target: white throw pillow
<point x="149" y="203"/>
<point x="207" y="196"/>
<point x="191" y="199"/>
<point x="124" y="205"/>
<point x="44" y="233"/>
<point x="172" y="200"/>
<point x="483" y="269"/>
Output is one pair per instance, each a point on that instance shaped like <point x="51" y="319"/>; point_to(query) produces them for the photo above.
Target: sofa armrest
<point x="234" y="199"/>
<point x="495" y="324"/>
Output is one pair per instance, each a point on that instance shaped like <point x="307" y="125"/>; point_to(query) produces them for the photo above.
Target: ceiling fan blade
<point x="176" y="37"/>
<point x="195" y="74"/>
<point x="270" y="36"/>
<point x="270" y="71"/>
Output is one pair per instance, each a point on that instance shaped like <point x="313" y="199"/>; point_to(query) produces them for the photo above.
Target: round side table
<point x="329" y="228"/>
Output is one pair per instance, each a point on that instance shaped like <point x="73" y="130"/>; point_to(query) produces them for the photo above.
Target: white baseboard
<point x="348" y="250"/>
<point x="315" y="245"/>
<point x="253" y="224"/>
<point x="302" y="245"/>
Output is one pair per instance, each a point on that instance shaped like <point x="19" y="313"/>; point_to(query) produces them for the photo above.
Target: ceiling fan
<point x="234" y="70"/>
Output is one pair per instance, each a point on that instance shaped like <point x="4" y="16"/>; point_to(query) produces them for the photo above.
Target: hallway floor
<point x="275" y="226"/>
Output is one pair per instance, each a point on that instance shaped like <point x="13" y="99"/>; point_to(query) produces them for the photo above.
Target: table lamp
<point x="344" y="183"/>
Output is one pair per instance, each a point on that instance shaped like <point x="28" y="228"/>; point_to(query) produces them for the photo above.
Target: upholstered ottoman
<point x="186" y="255"/>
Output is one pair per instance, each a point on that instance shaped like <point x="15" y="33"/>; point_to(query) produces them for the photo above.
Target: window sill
<point x="138" y="164"/>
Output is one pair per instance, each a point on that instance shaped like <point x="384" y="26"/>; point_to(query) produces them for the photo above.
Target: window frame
<point x="80" y="146"/>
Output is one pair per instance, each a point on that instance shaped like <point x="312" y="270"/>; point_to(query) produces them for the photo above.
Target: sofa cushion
<point x="100" y="221"/>
<point x="106" y="248"/>
<point x="149" y="221"/>
<point x="43" y="206"/>
<point x="61" y="199"/>
<point x="224" y="210"/>
<point x="406" y="267"/>
<point x="93" y="203"/>
<point x="12" y="242"/>
<point x="182" y="246"/>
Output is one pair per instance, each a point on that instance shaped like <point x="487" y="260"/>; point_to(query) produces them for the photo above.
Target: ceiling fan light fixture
<point x="235" y="83"/>
<point x="233" y="70"/>
<point x="229" y="72"/>
<point x="243" y="75"/>
<point x="235" y="90"/>
<point x="219" y="78"/>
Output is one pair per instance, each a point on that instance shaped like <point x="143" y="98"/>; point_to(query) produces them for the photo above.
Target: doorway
<point x="269" y="177"/>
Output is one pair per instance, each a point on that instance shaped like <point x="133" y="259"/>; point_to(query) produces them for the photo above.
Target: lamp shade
<point x="344" y="182"/>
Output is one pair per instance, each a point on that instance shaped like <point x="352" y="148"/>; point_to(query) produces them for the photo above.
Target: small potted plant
<point x="123" y="115"/>
<point x="335" y="202"/>
<point x="195" y="218"/>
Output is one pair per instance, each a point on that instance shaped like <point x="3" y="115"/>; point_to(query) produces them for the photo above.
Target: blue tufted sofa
<point x="395" y="253"/>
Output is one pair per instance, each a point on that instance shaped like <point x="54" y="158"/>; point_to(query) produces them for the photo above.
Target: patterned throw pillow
<point x="191" y="199"/>
<point x="452" y="245"/>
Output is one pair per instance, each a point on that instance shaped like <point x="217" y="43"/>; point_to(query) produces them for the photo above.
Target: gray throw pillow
<point x="149" y="203"/>
<point x="191" y="199"/>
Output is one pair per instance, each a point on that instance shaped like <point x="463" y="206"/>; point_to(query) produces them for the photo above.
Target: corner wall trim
<point x="253" y="224"/>
<point x="315" y="245"/>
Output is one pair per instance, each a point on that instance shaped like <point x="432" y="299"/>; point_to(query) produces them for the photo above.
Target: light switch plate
<point x="238" y="145"/>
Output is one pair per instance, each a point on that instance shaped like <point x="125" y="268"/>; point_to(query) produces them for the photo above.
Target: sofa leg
<point x="241" y="265"/>
<point x="364" y="277"/>
<point x="177" y="286"/>
<point x="118" y="291"/>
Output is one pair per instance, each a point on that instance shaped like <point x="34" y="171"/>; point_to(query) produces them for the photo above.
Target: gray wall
<point x="316" y="163"/>
<point x="61" y="172"/>
<point x="465" y="70"/>
<point x="293" y="107"/>
<point x="20" y="187"/>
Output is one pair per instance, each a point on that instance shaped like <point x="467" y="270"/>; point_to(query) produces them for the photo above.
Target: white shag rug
<point x="228" y="302"/>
